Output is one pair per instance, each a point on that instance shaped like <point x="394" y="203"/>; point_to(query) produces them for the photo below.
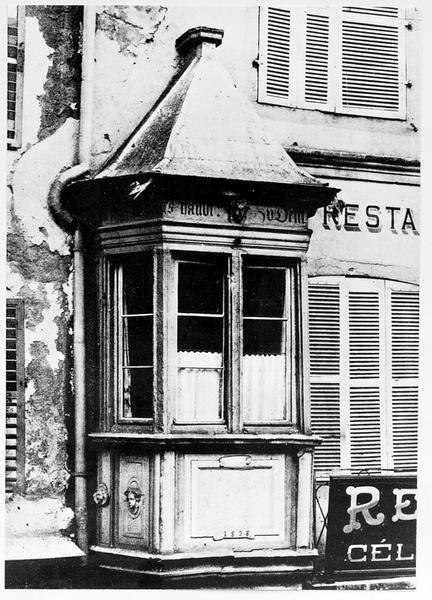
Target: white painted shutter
<point x="348" y="59"/>
<point x="371" y="54"/>
<point x="316" y="59"/>
<point x="404" y="376"/>
<point x="365" y="375"/>
<point x="276" y="50"/>
<point x="364" y="360"/>
<point x="324" y="335"/>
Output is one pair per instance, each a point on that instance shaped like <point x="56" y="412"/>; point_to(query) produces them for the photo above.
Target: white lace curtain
<point x="199" y="386"/>
<point x="263" y="387"/>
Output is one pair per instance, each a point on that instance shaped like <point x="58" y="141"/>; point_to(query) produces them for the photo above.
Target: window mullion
<point x="235" y="339"/>
<point x="291" y="345"/>
<point x="118" y="337"/>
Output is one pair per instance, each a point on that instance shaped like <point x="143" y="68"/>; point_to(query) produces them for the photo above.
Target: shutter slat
<point x="383" y="11"/>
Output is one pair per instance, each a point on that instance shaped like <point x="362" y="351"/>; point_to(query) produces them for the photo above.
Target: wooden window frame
<point x="113" y="345"/>
<point x="203" y="258"/>
<point x="384" y="289"/>
<point x="290" y="344"/>
<point x="18" y="304"/>
<point x="15" y="142"/>
<point x="165" y="343"/>
<point x="296" y="96"/>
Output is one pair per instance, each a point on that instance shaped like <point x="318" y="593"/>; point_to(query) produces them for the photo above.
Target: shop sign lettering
<point x="254" y="215"/>
<point x="371" y="218"/>
<point x="371" y="523"/>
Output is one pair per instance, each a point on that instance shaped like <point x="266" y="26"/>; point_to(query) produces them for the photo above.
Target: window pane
<point x="264" y="364"/>
<point x="138" y="286"/>
<point x="200" y="373"/>
<point x="264" y="388"/>
<point x="137" y="341"/>
<point x="200" y="334"/>
<point x="200" y="343"/>
<point x="135" y="280"/>
<point x="263" y="337"/>
<point x="138" y="393"/>
<point x="264" y="370"/>
<point x="200" y="288"/>
<point x="199" y="392"/>
<point x="263" y="292"/>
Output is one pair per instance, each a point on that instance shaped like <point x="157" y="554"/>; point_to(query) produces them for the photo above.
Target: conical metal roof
<point x="204" y="127"/>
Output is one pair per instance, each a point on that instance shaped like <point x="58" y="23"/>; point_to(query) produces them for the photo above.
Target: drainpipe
<point x="54" y="202"/>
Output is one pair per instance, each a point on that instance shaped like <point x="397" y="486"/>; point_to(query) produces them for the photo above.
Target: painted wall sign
<point x="202" y="212"/>
<point x="371" y="218"/>
<point x="371" y="523"/>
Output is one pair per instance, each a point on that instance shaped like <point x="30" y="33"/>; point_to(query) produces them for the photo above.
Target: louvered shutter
<point x="15" y="68"/>
<point x="404" y="376"/>
<point x="275" y="49"/>
<point x="14" y="395"/>
<point x="324" y="336"/>
<point x="348" y="59"/>
<point x="316" y="59"/>
<point x="371" y="55"/>
<point x="366" y="374"/>
<point x="364" y="356"/>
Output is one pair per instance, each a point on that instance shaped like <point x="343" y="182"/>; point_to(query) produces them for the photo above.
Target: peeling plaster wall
<point x="39" y="264"/>
<point x="60" y="27"/>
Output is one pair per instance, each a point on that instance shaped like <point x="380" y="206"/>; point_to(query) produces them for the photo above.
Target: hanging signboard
<point x="371" y="523"/>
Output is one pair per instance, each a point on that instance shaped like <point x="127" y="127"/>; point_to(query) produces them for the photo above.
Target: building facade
<point x="212" y="285"/>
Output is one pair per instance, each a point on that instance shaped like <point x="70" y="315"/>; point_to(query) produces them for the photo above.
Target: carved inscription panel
<point x="133" y="500"/>
<point x="234" y="500"/>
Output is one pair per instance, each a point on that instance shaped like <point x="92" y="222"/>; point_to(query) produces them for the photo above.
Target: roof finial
<point x="199" y="39"/>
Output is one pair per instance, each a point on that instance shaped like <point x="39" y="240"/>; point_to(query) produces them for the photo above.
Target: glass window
<point x="200" y="341"/>
<point x="265" y="343"/>
<point x="135" y="337"/>
<point x="230" y="342"/>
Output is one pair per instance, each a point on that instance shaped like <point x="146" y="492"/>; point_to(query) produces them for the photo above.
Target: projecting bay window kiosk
<point x="198" y="369"/>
